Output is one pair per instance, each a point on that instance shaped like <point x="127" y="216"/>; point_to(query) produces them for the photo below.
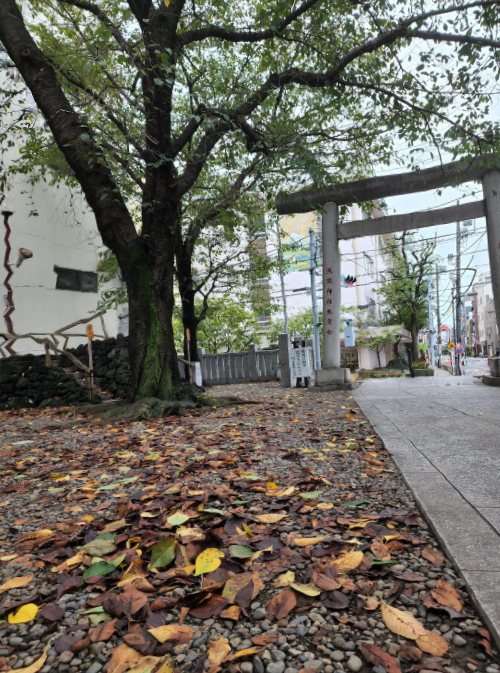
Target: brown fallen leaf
<point x="348" y="562"/>
<point x="103" y="632"/>
<point x="309" y="541"/>
<point x="402" y="623"/>
<point x="281" y="605"/>
<point x="270" y="518"/>
<point x="445" y="594"/>
<point x="124" y="658"/>
<point x="380" y="550"/>
<point x="374" y="655"/>
<point x="265" y="639"/>
<point x="16" y="583"/>
<point x="432" y="643"/>
<point x="434" y="556"/>
<point x="36" y="665"/>
<point x="410" y="653"/>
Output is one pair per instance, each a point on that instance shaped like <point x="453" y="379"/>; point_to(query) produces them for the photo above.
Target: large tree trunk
<point x="189" y="319"/>
<point x="148" y="274"/>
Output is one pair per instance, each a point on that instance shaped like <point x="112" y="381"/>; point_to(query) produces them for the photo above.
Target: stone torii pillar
<point x="332" y="376"/>
<point x="491" y="191"/>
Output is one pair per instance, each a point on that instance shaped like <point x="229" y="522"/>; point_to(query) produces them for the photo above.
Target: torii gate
<point x="485" y="168"/>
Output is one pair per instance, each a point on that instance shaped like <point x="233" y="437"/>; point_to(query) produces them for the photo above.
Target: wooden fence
<point x="252" y="365"/>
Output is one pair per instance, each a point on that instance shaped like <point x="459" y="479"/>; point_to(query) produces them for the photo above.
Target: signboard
<point x="349" y="336"/>
<point x="90" y="332"/>
<point x="443" y="328"/>
<point x="451" y="345"/>
<point x="458" y="348"/>
<point x="300" y="362"/>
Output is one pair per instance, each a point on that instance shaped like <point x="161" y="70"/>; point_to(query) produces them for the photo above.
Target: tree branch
<point x="462" y="39"/>
<point x="243" y="36"/>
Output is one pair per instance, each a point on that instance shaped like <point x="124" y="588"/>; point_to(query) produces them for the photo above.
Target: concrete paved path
<point x="444" y="435"/>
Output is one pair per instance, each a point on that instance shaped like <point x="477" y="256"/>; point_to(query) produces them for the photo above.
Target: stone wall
<point x="25" y="381"/>
<point x="111" y="364"/>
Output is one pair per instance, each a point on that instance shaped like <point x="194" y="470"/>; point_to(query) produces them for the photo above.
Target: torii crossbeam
<point x="484" y="167"/>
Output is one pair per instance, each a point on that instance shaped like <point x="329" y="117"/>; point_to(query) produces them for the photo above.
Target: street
<point x="475" y="366"/>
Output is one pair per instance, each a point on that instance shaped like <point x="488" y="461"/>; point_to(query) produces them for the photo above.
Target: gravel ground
<point x="239" y="462"/>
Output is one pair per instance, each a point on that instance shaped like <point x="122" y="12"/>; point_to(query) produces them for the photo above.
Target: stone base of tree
<point x="491" y="380"/>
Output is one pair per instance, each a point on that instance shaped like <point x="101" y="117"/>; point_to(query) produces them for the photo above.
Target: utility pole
<point x="282" y="278"/>
<point x="312" y="270"/>
<point x="438" y="315"/>
<point x="432" y="334"/>
<point x="458" y="299"/>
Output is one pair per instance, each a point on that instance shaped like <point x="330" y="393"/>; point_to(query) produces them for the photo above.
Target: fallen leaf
<point x="432" y="643"/>
<point x="52" y="613"/>
<point x="371" y="603"/>
<point x="434" y="556"/>
<point x="265" y="639"/>
<point x="208" y="561"/>
<point x="307" y="589"/>
<point x="232" y="612"/>
<point x="348" y="562"/>
<point x="281" y="605"/>
<point x="169" y="632"/>
<point x="16" y="583"/>
<point x="26" y="613"/>
<point x="269" y="518"/>
<point x="218" y="651"/>
<point x="99" y="547"/>
<point x="163" y="553"/>
<point x="374" y="655"/>
<point x="445" y="594"/>
<point x="380" y="550"/>
<point x="124" y="657"/>
<point x="285" y="580"/>
<point x="306" y="541"/>
<point x="402" y="623"/>
<point x="177" y="519"/>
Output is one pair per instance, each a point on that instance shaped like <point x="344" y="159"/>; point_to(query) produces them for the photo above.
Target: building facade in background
<point x="483" y="331"/>
<point x="58" y="285"/>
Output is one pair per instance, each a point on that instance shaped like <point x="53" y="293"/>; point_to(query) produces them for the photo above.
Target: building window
<point x="368" y="264"/>
<point x="77" y="281"/>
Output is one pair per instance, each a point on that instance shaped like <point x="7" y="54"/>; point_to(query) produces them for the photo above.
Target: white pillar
<point x="331" y="287"/>
<point x="491" y="191"/>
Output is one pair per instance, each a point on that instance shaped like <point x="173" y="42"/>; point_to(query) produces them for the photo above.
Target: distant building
<point x="486" y="340"/>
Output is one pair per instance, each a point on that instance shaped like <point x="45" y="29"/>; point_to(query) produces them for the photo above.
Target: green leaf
<point x="106" y="536"/>
<point x="240" y="502"/>
<point x="163" y="553"/>
<point x="100" y="569"/>
<point x="312" y="495"/>
<point x="119" y="559"/>
<point x="355" y="503"/>
<point x="177" y="519"/>
<point x="56" y="490"/>
<point x="238" y="551"/>
<point x="99" y="547"/>
<point x="214" y="511"/>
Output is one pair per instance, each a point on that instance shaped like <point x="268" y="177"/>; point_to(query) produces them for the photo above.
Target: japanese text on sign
<point x="300" y="364"/>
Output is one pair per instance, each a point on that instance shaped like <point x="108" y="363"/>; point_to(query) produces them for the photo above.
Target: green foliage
<point x="109" y="272"/>
<point x="404" y="296"/>
<point x="301" y="323"/>
<point x="229" y="326"/>
<point x="378" y="338"/>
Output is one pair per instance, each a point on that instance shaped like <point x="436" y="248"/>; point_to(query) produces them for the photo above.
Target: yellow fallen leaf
<point x="16" y="583"/>
<point x="348" y="562"/>
<point x="306" y="541"/>
<point x="371" y="603"/>
<point x="269" y="518"/>
<point x="285" y="580"/>
<point x="432" y="643"/>
<point x="218" y="651"/>
<point x="149" y="515"/>
<point x="45" y="532"/>
<point x="232" y="612"/>
<point x="26" y="613"/>
<point x="171" y="632"/>
<point x="271" y="485"/>
<point x="208" y="561"/>
<point x="4" y="559"/>
<point x="249" y="652"/>
<point x="402" y="623"/>
<point x="133" y="572"/>
<point x="307" y="589"/>
<point x="324" y="505"/>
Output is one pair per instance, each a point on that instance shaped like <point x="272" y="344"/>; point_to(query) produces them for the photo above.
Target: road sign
<point x="90" y="332"/>
<point x="443" y="328"/>
<point x="451" y="345"/>
<point x="458" y="348"/>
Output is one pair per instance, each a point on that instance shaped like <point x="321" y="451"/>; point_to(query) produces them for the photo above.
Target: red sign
<point x="443" y="328"/>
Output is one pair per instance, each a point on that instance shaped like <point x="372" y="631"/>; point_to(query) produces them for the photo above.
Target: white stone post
<point x="331" y="376"/>
<point x="491" y="191"/>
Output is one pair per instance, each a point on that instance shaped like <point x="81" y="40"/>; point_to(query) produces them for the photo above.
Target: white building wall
<point x="63" y="234"/>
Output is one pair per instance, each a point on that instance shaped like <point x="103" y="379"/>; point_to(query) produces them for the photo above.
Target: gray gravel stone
<point x="459" y="641"/>
<point x="337" y="655"/>
<point x="354" y="664"/>
<point x="276" y="667"/>
<point x="246" y="667"/>
<point x="258" y="666"/>
<point x="95" y="668"/>
<point x="260" y="613"/>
